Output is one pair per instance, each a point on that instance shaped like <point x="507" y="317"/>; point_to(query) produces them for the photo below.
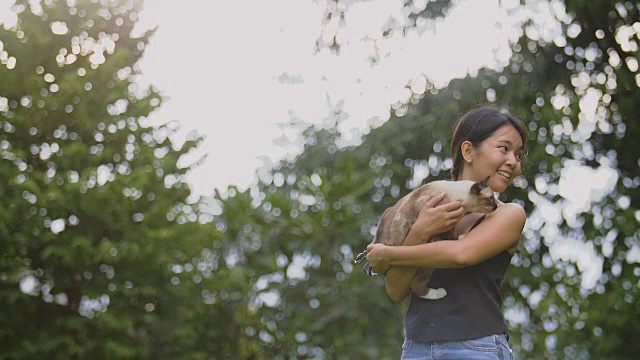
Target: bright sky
<point x="222" y="62"/>
<point x="236" y="71"/>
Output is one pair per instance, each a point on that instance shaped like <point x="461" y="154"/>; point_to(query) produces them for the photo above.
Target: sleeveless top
<point x="470" y="310"/>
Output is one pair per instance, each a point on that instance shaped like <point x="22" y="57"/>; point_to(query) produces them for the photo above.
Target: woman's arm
<point x="432" y="220"/>
<point x="500" y="231"/>
<point x="398" y="279"/>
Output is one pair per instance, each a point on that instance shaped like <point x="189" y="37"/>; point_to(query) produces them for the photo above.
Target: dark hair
<point x="477" y="125"/>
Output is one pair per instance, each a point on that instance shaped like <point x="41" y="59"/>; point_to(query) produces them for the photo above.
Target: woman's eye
<point x="504" y="148"/>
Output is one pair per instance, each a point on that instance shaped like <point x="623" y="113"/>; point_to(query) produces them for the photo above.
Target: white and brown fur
<point x="396" y="221"/>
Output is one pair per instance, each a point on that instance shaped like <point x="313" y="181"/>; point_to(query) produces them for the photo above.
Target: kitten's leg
<point x="419" y="286"/>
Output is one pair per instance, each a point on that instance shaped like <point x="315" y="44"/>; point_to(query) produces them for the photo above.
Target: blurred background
<point x="192" y="179"/>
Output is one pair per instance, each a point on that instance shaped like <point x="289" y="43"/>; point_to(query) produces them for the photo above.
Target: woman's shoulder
<point x="507" y="221"/>
<point x="511" y="212"/>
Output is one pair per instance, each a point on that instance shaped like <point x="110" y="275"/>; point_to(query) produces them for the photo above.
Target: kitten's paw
<point x="435" y="294"/>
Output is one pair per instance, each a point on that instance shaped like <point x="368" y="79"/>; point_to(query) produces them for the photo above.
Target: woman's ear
<point x="466" y="148"/>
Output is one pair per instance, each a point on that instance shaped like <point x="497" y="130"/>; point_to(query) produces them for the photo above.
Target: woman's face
<point x="497" y="157"/>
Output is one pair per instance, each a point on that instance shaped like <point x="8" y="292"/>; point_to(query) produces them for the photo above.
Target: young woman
<point x="468" y="322"/>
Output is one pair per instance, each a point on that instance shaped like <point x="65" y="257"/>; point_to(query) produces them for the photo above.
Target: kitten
<point x="398" y="219"/>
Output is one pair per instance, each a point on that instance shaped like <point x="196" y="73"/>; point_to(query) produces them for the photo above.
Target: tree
<point x="576" y="89"/>
<point x="95" y="226"/>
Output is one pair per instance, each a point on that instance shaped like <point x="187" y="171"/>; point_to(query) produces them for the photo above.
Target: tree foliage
<point x="93" y="195"/>
<point x="576" y="90"/>
<point x="103" y="256"/>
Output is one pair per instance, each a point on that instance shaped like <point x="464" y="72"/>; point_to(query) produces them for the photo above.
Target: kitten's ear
<point x="479" y="185"/>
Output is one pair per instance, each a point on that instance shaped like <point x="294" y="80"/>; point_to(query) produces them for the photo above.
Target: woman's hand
<point x="377" y="259"/>
<point x="435" y="219"/>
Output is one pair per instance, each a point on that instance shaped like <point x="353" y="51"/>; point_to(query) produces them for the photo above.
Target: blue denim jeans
<point x="492" y="347"/>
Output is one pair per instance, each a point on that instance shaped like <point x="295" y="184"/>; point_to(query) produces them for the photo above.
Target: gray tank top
<point x="470" y="310"/>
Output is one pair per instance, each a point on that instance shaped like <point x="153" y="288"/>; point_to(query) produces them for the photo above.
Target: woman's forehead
<point x="507" y="134"/>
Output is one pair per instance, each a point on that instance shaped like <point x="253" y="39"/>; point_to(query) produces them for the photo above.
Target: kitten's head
<point x="480" y="198"/>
